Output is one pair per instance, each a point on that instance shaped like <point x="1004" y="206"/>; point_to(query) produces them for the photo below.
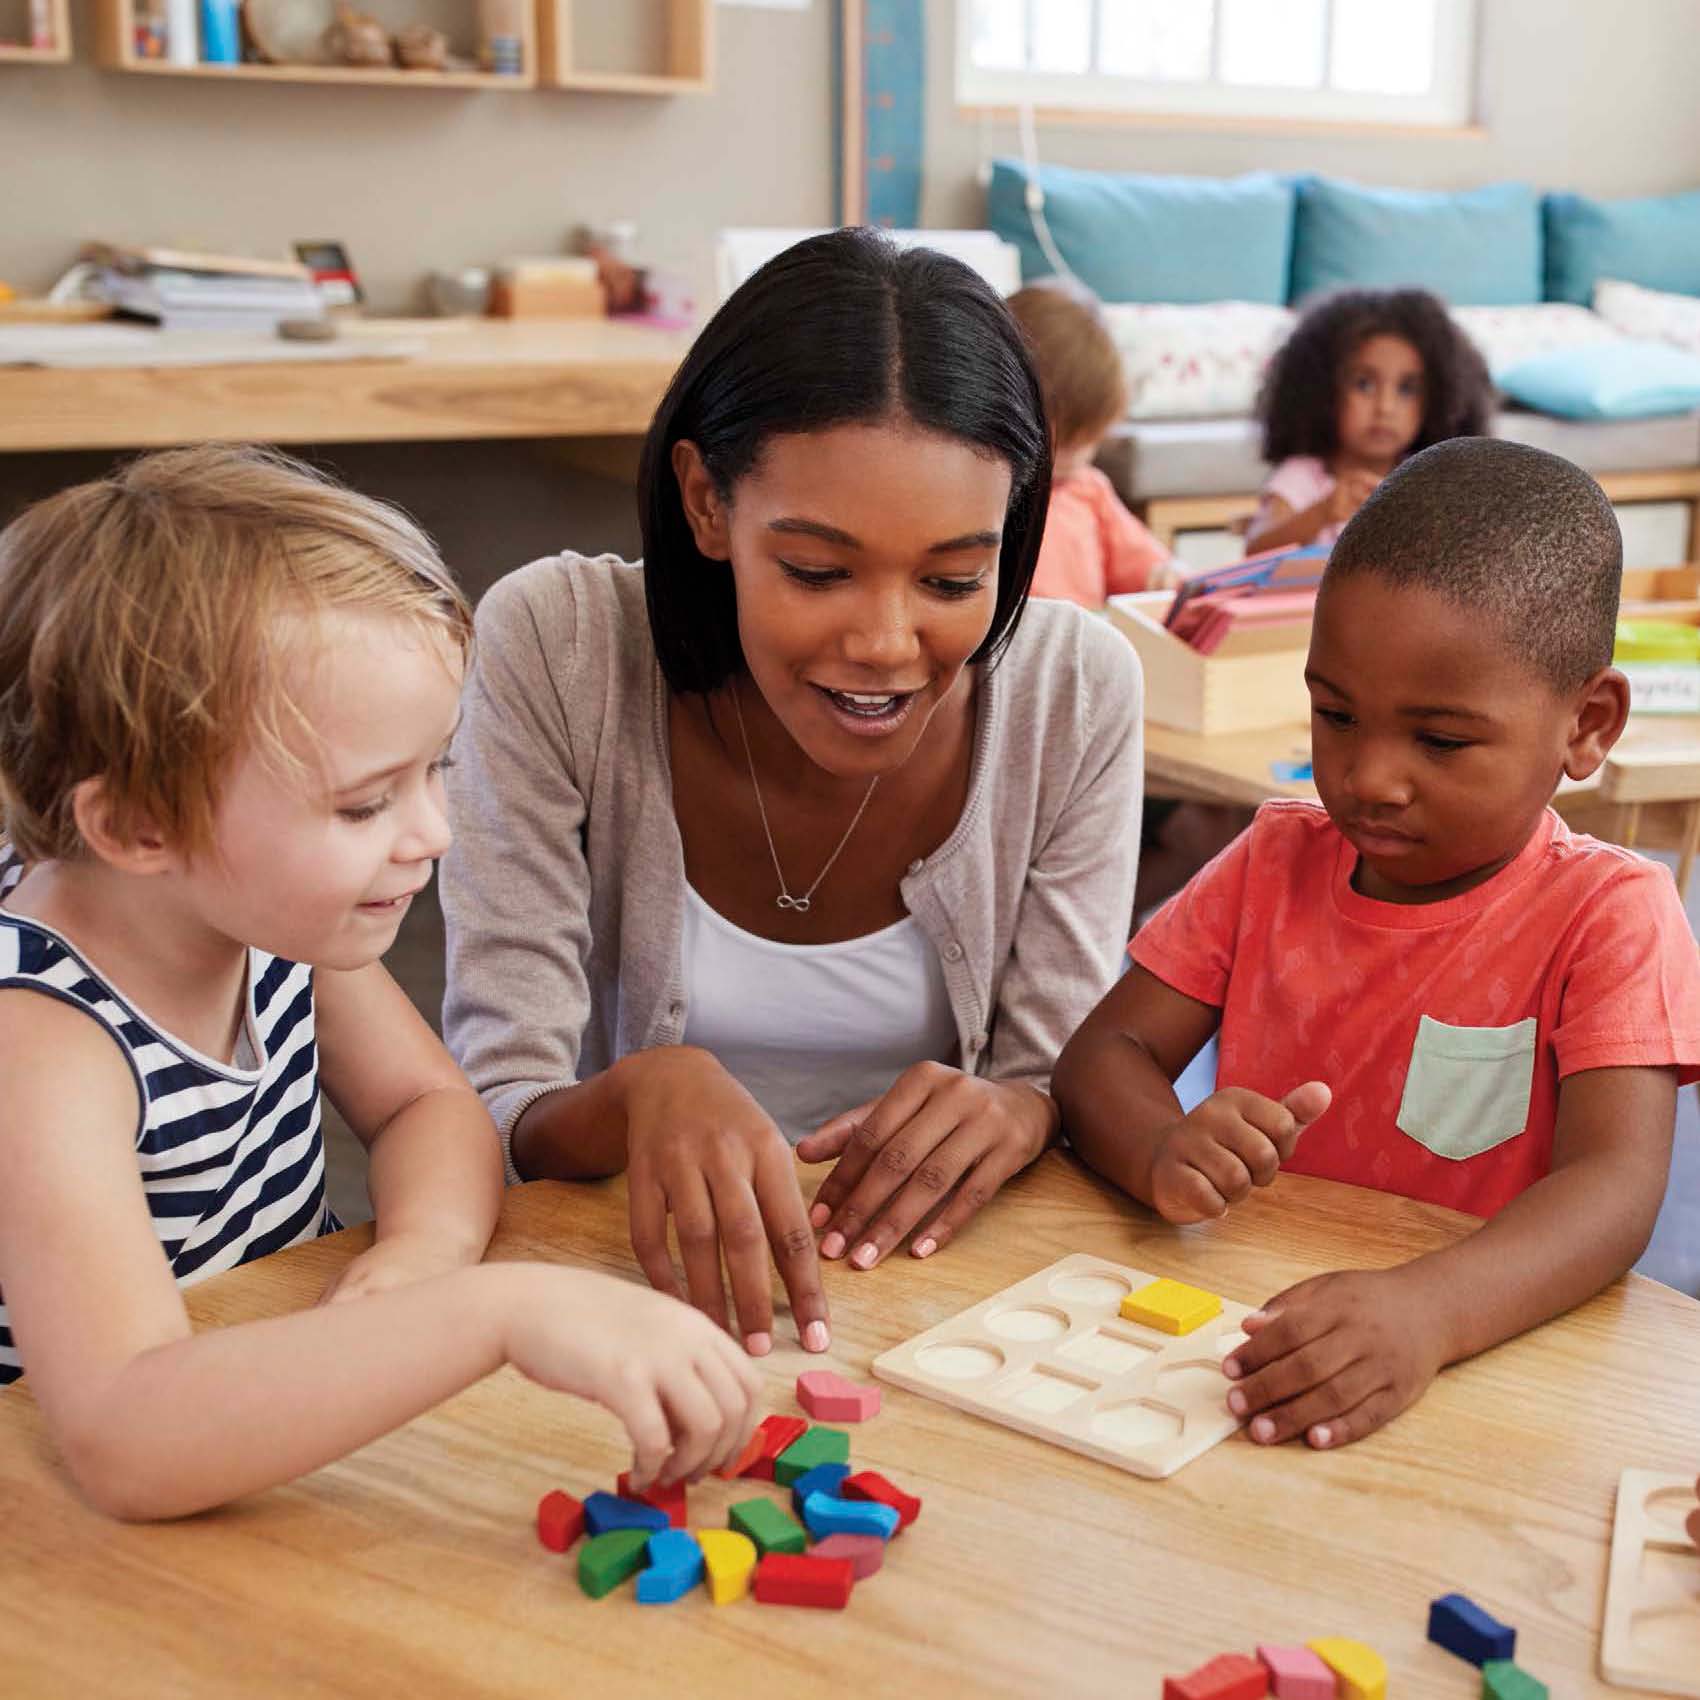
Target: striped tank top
<point x="231" y="1157"/>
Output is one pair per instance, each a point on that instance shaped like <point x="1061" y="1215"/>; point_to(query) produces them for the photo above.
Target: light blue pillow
<point x="1475" y="248"/>
<point x="1607" y="380"/>
<point x="1138" y="238"/>
<point x="1653" y="242"/>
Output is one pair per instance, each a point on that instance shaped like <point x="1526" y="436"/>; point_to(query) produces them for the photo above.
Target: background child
<point x="1367" y="378"/>
<point x="227" y="689"/>
<point x="1427" y="985"/>
<point x="1093" y="548"/>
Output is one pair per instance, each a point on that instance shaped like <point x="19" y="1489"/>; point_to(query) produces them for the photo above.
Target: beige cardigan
<point x="564" y="891"/>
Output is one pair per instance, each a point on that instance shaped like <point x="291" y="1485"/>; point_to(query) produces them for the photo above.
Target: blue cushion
<point x="1475" y="248"/>
<point x="1607" y="380"/>
<point x="1138" y="238"/>
<point x="1653" y="242"/>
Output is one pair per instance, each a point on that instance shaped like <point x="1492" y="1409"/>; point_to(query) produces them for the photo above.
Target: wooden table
<point x="474" y="378"/>
<point x="411" y="1568"/>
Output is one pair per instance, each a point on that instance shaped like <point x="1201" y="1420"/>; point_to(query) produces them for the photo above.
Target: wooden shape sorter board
<point x="1652" y="1633"/>
<point x="1052" y="1357"/>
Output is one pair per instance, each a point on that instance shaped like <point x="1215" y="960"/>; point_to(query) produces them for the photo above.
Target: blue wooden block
<point x="675" y="1567"/>
<point x="823" y="1478"/>
<point x="827" y="1514"/>
<point x="1461" y="1626"/>
<point x="605" y="1511"/>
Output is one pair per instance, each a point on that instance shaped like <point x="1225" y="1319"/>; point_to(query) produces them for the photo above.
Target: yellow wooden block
<point x="1362" y="1673"/>
<point x="730" y="1558"/>
<point x="1172" y="1306"/>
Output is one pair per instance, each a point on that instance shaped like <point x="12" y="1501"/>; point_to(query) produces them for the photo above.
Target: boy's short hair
<point x="1522" y="536"/>
<point x="139" y="639"/>
<point x="1080" y="368"/>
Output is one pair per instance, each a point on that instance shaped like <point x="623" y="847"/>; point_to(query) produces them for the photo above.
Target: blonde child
<point x="1093" y="548"/>
<point x="1428" y="984"/>
<point x="1367" y="378"/>
<point x="227" y="690"/>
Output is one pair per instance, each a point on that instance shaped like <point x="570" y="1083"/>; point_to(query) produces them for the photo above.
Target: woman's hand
<point x="927" y="1154"/>
<point x="701" y="1150"/>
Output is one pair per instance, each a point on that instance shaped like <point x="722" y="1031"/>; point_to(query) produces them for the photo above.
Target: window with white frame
<point x="1363" y="61"/>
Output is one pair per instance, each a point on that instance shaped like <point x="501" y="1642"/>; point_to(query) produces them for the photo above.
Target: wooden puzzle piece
<point x="1458" y="1624"/>
<point x="1651" y="1637"/>
<point x="830" y="1398"/>
<point x="823" y="1478"/>
<point x="1360" y="1670"/>
<point x="1296" y="1673"/>
<point x="675" y="1567"/>
<point x="729" y="1558"/>
<point x="827" y="1514"/>
<point x="605" y="1561"/>
<point x="1172" y="1306"/>
<point x="870" y="1484"/>
<point x="1502" y="1680"/>
<point x="866" y="1554"/>
<point x="606" y="1511"/>
<point x="787" y="1579"/>
<point x="670" y="1498"/>
<point x="770" y="1526"/>
<point x="815" y="1446"/>
<point x="560" y="1520"/>
<point x="1228" y="1676"/>
<point x="773" y="1435"/>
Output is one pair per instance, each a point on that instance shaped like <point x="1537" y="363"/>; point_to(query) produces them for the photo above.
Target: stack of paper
<point x="203" y="292"/>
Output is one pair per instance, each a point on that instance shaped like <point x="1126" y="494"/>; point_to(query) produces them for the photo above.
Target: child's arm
<point x="1278" y="525"/>
<point x="1134" y="559"/>
<point x="435" y="1164"/>
<point x="1336" y="1357"/>
<point x="1114" y="1085"/>
<point x="154" y="1421"/>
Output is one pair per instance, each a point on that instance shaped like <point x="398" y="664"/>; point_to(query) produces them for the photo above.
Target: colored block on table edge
<point x="1458" y="1624"/>
<point x="1171" y="1306"/>
<point x="823" y="1478"/>
<point x="560" y="1520"/>
<point x="814" y="1446"/>
<point x="790" y="1579"/>
<point x="670" y="1498"/>
<point x="870" y="1484"/>
<point x="865" y="1552"/>
<point x="675" y="1567"/>
<point x="1296" y="1673"/>
<point x="1228" y="1676"/>
<point x="605" y="1561"/>
<point x="1362" y="1672"/>
<point x="826" y="1514"/>
<point x="829" y="1397"/>
<point x="606" y="1511"/>
<point x="729" y="1558"/>
<point x="770" y="1526"/>
<point x="1503" y="1680"/>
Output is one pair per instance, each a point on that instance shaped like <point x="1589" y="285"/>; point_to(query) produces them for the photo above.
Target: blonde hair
<point x="1079" y="366"/>
<point x="140" y="638"/>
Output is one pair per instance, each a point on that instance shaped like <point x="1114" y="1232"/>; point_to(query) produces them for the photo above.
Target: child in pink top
<point x="1093" y="548"/>
<point x="1427" y="984"/>
<point x="1367" y="378"/>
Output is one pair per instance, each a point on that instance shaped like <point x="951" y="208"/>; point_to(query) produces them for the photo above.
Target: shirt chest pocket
<point x="1467" y="1088"/>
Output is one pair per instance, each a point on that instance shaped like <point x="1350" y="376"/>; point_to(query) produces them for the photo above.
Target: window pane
<point x="999" y="41"/>
<point x="1062" y="35"/>
<point x="1383" y="49"/>
<point x="1158" y="40"/>
<point x="1273" y="43"/>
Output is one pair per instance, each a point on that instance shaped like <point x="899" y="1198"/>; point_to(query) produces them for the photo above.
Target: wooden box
<point x="1212" y="693"/>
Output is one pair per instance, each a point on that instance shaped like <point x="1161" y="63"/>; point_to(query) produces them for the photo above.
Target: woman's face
<point x="865" y="559"/>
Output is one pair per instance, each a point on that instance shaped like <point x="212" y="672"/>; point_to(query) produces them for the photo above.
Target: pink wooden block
<point x="829" y="1398"/>
<point x="1296" y="1673"/>
<point x="865" y="1552"/>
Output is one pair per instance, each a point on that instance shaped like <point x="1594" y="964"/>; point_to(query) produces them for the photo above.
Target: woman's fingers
<point x="794" y="1252"/>
<point x="828" y="1141"/>
<point x="948" y="1151"/>
<point x="646" y="1208"/>
<point x="743" y="1243"/>
<point x="699" y="1242"/>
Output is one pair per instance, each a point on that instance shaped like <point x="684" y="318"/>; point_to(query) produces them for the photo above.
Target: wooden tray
<point x="1652" y="1633"/>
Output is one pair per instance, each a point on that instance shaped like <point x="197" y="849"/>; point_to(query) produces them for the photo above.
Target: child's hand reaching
<point x="1335" y="1357"/>
<point x="1235" y="1140"/>
<point x="1351" y="490"/>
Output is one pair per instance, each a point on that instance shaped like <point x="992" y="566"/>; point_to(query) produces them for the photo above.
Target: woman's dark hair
<point x="841" y="329"/>
<point x="1299" y="405"/>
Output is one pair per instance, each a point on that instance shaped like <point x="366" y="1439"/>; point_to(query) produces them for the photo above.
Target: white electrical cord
<point x="1035" y="196"/>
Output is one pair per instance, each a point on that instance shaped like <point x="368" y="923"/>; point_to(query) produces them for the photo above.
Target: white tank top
<point x="812" y="1030"/>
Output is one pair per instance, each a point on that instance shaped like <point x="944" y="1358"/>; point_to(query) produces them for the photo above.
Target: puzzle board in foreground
<point x="1652" y="1632"/>
<point x="1053" y="1357"/>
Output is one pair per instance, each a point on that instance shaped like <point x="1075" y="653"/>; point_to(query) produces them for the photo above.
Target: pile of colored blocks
<point x="813" y="1554"/>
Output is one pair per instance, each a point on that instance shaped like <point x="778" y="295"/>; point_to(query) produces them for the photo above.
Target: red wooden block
<point x="870" y="1484"/>
<point x="1228" y="1676"/>
<point x="773" y="1434"/>
<point x="829" y="1398"/>
<point x="560" y="1520"/>
<point x="670" y="1498"/>
<point x="799" y="1579"/>
<point x="865" y="1552"/>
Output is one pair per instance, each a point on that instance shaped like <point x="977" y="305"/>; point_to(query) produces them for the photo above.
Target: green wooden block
<point x="813" y="1446"/>
<point x="1502" y="1680"/>
<point x="770" y="1526"/>
<point x="605" y="1561"/>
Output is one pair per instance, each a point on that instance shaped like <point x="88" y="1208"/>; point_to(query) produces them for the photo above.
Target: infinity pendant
<point x="786" y="901"/>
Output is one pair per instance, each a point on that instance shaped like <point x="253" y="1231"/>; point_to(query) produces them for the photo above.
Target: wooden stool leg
<point x="1690" y="847"/>
<point x="1628" y="825"/>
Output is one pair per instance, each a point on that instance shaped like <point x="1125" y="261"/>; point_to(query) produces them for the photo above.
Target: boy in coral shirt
<point x="1428" y="984"/>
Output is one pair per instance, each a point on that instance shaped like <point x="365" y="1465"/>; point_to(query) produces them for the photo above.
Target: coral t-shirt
<point x="1444" y="1028"/>
<point x="1093" y="548"/>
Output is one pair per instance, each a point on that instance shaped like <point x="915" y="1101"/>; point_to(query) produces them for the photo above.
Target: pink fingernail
<point x="926" y="1248"/>
<point x="865" y="1256"/>
<point x="1231" y="1368"/>
<point x="832" y="1245"/>
<point x="758" y="1345"/>
<point x="1321" y="1435"/>
<point x="1236" y="1402"/>
<point x="819" y="1215"/>
<point x="816" y="1338"/>
<point x="1263" y="1428"/>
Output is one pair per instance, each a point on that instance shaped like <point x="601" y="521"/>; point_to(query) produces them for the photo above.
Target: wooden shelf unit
<point x="689" y="50"/>
<point x="115" y="50"/>
<point x="13" y="53"/>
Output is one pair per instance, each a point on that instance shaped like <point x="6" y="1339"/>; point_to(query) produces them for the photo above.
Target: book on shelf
<point x="181" y="291"/>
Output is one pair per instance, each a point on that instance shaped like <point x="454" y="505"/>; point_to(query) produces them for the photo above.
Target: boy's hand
<point x="397" y="1261"/>
<point x="1335" y="1357"/>
<point x="1235" y="1140"/>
